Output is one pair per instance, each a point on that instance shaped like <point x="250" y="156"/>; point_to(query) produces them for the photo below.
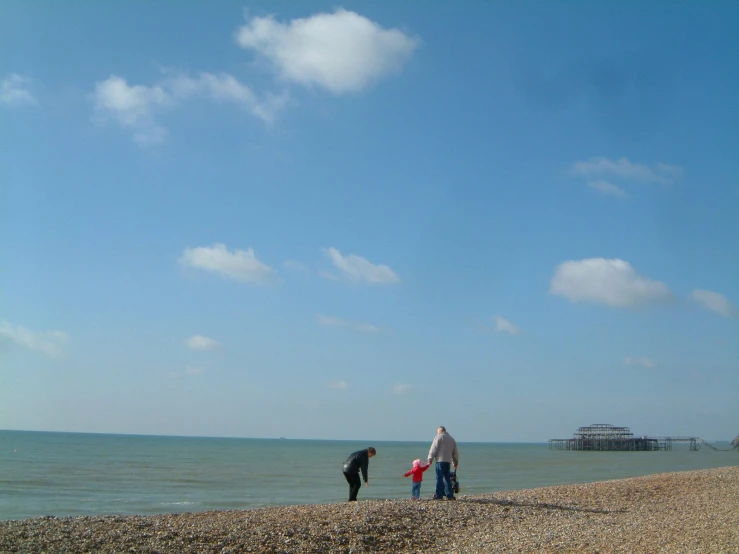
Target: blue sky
<point x="364" y="220"/>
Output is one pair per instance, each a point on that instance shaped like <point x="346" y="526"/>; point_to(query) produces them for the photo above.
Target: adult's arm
<point x="455" y="454"/>
<point x="365" y="466"/>
<point x="434" y="450"/>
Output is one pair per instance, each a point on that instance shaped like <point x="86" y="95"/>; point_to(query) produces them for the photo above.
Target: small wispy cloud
<point x="333" y="321"/>
<point x="14" y="91"/>
<point x="356" y="269"/>
<point x="241" y="265"/>
<point x="194" y="371"/>
<point x="340" y="385"/>
<point x="136" y="107"/>
<point x="715" y="302"/>
<point x="199" y="342"/>
<point x="608" y="189"/>
<point x="401" y="389"/>
<point x="502" y="325"/>
<point x="642" y="362"/>
<point x="623" y="168"/>
<point x="48" y="342"/>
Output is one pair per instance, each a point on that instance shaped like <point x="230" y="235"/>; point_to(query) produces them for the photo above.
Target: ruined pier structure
<point x="605" y="437"/>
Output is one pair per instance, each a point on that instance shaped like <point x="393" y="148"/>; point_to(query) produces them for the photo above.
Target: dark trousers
<point x="354" y="485"/>
<point x="443" y="482"/>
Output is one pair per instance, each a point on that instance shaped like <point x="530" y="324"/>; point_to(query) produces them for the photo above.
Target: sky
<point x="364" y="220"/>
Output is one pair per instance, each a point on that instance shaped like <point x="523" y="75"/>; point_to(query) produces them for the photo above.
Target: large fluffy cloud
<point x="341" y="52"/>
<point x="611" y="282"/>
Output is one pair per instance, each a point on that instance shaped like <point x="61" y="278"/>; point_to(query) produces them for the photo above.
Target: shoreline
<point x="691" y="511"/>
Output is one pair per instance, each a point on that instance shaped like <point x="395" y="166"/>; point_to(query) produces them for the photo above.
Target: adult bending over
<point x="357" y="461"/>
<point x="444" y="449"/>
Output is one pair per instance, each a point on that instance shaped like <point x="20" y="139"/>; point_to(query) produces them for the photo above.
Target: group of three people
<point x="443" y="449"/>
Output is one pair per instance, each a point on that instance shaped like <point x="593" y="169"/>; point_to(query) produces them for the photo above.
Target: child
<point x="417" y="472"/>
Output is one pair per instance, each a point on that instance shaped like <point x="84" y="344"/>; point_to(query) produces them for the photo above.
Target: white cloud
<point x="194" y="371"/>
<point x="609" y="189"/>
<point x="342" y="385"/>
<point x="623" y="168"/>
<point x="226" y="88"/>
<point x="135" y="106"/>
<point x="14" y="91"/>
<point x="48" y="342"/>
<point x="402" y="389"/>
<point x="357" y="269"/>
<point x="502" y="325"/>
<point x="132" y="107"/>
<point x="241" y="265"/>
<point x="199" y="342"/>
<point x="341" y="52"/>
<point x="642" y="362"/>
<point x="338" y="322"/>
<point x="611" y="282"/>
<point x="715" y="302"/>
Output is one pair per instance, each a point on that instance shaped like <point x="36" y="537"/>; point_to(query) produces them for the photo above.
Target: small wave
<point x="185" y="503"/>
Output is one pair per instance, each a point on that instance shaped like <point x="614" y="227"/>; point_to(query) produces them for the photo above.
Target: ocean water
<point x="71" y="474"/>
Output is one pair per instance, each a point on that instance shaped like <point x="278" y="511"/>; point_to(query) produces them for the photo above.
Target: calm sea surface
<point x="64" y="474"/>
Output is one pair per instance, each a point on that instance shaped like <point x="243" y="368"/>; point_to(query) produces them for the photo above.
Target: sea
<point x="78" y="474"/>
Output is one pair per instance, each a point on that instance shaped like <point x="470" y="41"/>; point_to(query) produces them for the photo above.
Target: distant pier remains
<point x="605" y="437"/>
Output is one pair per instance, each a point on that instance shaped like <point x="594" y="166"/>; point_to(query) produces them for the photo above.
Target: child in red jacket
<point x="417" y="472"/>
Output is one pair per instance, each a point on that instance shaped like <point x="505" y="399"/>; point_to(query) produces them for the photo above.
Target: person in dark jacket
<point x="356" y="462"/>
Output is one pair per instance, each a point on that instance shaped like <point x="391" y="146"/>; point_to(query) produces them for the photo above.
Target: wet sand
<point x="685" y="512"/>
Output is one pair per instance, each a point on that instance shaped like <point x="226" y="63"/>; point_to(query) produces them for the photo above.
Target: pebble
<point x="681" y="512"/>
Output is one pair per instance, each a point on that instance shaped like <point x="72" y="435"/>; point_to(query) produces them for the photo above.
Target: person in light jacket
<point x="444" y="449"/>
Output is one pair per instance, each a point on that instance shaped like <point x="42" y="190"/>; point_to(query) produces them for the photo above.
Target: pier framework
<point x="606" y="437"/>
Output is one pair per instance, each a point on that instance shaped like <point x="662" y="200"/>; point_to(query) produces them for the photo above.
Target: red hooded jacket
<point x="417" y="472"/>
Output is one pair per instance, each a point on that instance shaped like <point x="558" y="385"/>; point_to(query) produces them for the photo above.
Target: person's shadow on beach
<point x="542" y="505"/>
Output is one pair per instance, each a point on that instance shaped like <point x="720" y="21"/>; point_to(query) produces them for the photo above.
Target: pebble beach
<point x="681" y="512"/>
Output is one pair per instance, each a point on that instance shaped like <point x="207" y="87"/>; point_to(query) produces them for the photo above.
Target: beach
<point x="685" y="512"/>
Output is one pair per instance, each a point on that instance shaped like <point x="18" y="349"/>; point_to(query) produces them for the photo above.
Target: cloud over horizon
<point x="47" y="342"/>
<point x="199" y="342"/>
